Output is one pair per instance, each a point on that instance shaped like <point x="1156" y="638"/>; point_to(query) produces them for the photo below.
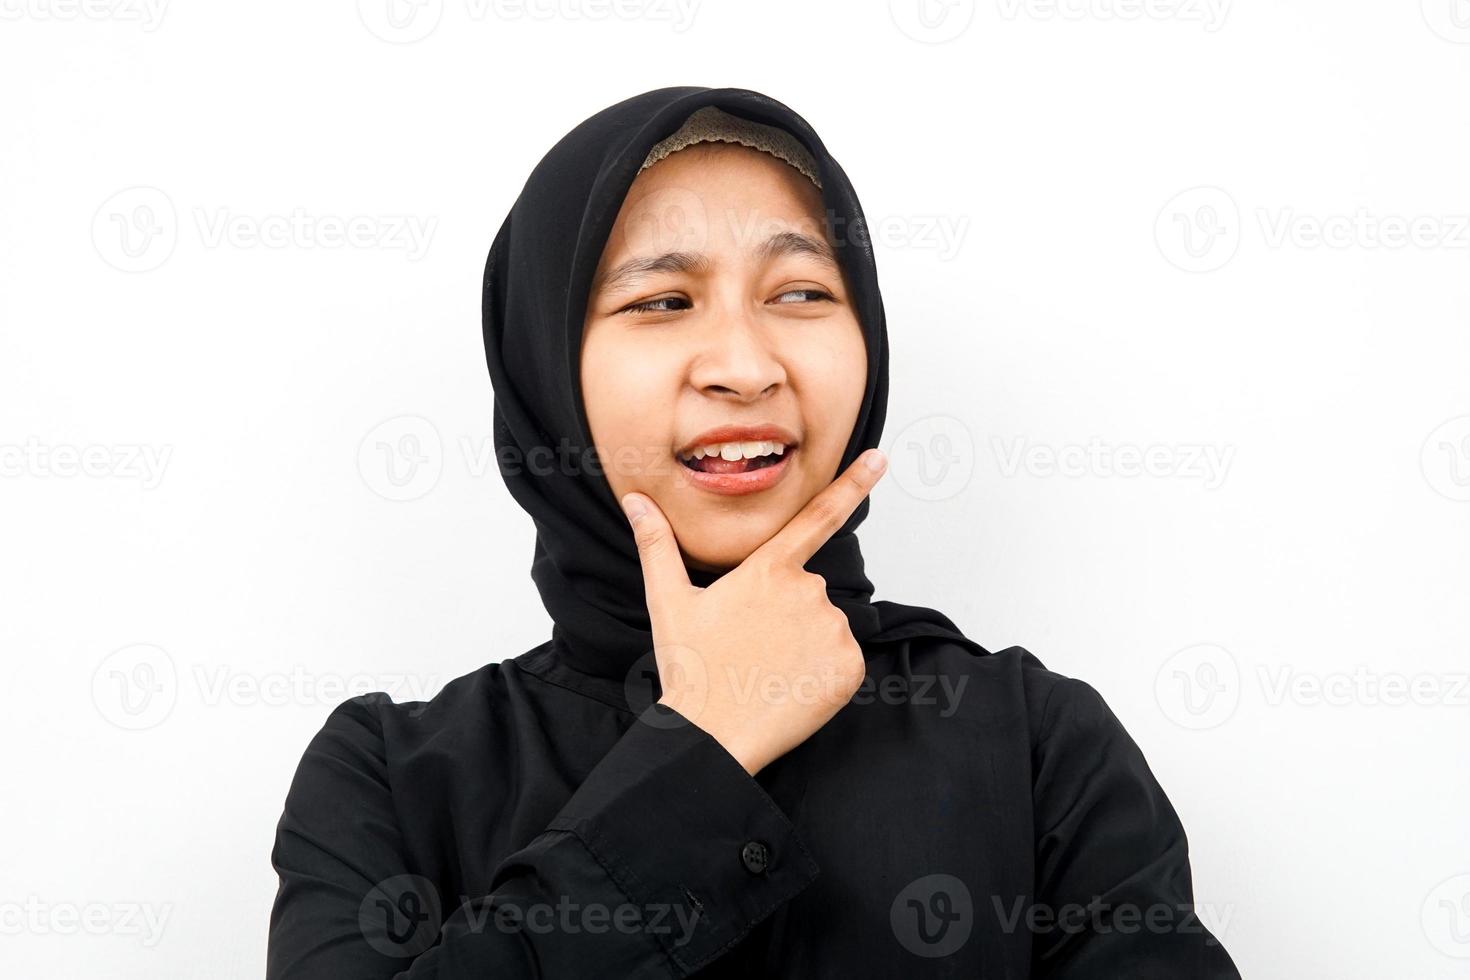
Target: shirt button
<point x="755" y="856"/>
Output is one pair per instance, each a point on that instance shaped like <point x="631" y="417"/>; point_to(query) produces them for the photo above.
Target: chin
<point x="738" y="537"/>
<point x="721" y="561"/>
<point x="730" y="555"/>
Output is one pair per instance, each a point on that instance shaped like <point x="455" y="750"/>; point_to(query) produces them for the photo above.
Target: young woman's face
<point x="717" y="302"/>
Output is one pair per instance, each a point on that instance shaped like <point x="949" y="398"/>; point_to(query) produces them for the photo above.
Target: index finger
<point x="804" y="535"/>
<point x="658" y="551"/>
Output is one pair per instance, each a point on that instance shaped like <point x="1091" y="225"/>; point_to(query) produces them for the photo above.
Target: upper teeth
<point x="736" y="450"/>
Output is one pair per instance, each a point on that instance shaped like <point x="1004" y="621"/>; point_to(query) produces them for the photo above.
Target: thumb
<point x="664" y="573"/>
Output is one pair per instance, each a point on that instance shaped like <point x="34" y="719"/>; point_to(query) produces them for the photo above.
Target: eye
<point x="820" y="295"/>
<point x="656" y="305"/>
<point x="660" y="304"/>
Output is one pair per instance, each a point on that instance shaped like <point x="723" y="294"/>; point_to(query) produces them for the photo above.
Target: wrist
<point x="747" y="755"/>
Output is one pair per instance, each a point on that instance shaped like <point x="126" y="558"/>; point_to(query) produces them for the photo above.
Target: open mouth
<point x="735" y="457"/>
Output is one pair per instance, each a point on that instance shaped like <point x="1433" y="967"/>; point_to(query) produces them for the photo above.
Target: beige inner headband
<point x="713" y="125"/>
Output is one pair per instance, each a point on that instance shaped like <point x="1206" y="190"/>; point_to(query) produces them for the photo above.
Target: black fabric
<point x="967" y="814"/>
<point x="537" y="280"/>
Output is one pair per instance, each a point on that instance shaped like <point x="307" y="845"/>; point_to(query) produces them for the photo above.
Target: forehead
<point x="715" y="197"/>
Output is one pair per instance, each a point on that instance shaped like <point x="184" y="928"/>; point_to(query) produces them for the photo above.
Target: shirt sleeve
<point x="1114" y="896"/>
<point x="665" y="856"/>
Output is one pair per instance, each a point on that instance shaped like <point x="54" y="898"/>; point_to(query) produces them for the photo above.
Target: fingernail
<point x="634" y="508"/>
<point x="874" y="460"/>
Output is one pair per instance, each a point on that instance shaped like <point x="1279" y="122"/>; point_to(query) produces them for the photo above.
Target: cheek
<point x="831" y="399"/>
<point x="837" y="377"/>
<point x="627" y="394"/>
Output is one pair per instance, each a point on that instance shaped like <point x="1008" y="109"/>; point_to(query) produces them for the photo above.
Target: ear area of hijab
<point x="711" y="124"/>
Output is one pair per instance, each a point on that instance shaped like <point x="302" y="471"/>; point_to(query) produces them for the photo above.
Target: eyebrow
<point x="636" y="269"/>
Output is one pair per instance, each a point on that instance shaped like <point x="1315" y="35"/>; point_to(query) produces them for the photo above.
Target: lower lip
<point x="737" y="483"/>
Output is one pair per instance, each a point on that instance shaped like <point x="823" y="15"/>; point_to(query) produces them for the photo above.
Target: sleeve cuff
<point x="686" y="832"/>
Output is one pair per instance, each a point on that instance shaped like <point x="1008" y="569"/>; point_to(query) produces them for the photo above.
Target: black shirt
<point x="967" y="814"/>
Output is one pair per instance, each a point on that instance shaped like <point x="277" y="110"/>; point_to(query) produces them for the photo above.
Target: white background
<point x="1227" y="232"/>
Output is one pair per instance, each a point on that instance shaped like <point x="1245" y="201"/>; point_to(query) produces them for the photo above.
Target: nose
<point x="737" y="361"/>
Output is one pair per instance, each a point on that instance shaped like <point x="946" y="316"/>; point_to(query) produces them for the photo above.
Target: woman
<point x="688" y="350"/>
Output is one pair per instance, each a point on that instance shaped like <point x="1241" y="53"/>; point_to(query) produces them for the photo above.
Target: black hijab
<point x="537" y="281"/>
